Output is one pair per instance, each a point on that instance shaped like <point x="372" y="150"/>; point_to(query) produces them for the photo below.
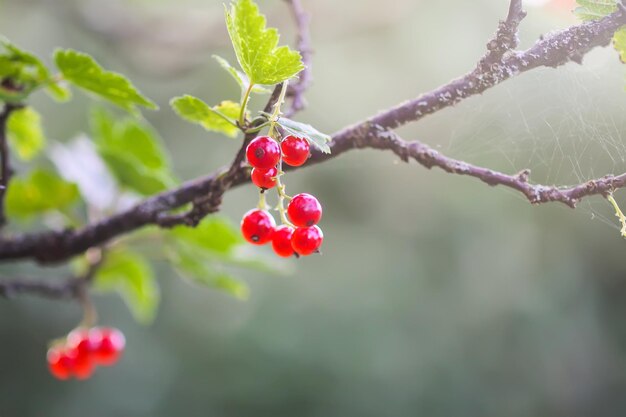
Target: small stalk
<point x="280" y="187"/>
<point x="619" y="214"/>
<point x="244" y="104"/>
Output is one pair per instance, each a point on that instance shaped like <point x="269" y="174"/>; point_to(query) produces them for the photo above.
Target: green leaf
<point x="133" y="152"/>
<point x="191" y="265"/>
<point x="59" y="91"/>
<point x="240" y="77"/>
<point x="26" y="72"/>
<point x="200" y="254"/>
<point x="25" y="133"/>
<point x="220" y="118"/>
<point x="619" y="43"/>
<point x="256" y="46"/>
<point x="40" y="192"/>
<point x="131" y="275"/>
<point x="303" y="130"/>
<point x="83" y="71"/>
<point x="594" y="9"/>
<point x="212" y="234"/>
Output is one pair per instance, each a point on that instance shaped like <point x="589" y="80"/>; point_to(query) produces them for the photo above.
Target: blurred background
<point x="435" y="295"/>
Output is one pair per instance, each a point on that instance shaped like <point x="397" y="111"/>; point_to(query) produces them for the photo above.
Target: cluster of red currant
<point x="298" y="235"/>
<point x="83" y="349"/>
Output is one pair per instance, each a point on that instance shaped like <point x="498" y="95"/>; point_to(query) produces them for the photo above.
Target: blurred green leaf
<point x="240" y="77"/>
<point x="308" y="132"/>
<point x="594" y="9"/>
<point x="26" y="72"/>
<point x="220" y="118"/>
<point x="41" y="191"/>
<point x="133" y="151"/>
<point x="256" y="46"/>
<point x="25" y="133"/>
<point x="83" y="71"/>
<point x="213" y="234"/>
<point x="201" y="253"/>
<point x="131" y="275"/>
<point x="191" y="265"/>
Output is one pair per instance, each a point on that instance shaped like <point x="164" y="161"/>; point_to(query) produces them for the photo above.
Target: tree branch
<point x="64" y="290"/>
<point x="535" y="193"/>
<point x="303" y="43"/>
<point x="5" y="163"/>
<point x="554" y="50"/>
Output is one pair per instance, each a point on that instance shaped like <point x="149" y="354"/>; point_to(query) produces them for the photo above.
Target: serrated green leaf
<point x="220" y="118"/>
<point x="256" y="46"/>
<point x="25" y="133"/>
<point x="40" y="192"/>
<point x="594" y="9"/>
<point x="83" y="71"/>
<point x="133" y="152"/>
<point x="131" y="275"/>
<point x="240" y="77"/>
<point x="308" y="132"/>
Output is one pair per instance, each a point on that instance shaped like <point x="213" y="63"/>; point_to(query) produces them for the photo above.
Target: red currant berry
<point x="265" y="179"/>
<point x="263" y="152"/>
<point x="111" y="345"/>
<point x="281" y="241"/>
<point x="83" y="345"/>
<point x="306" y="240"/>
<point x="295" y="150"/>
<point x="257" y="226"/>
<point x="304" y="210"/>
<point x="60" y="364"/>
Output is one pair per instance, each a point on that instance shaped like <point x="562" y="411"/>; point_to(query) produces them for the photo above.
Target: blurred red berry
<point x="60" y="363"/>
<point x="111" y="346"/>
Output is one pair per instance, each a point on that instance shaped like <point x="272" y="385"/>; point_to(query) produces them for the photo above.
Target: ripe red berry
<point x="257" y="226"/>
<point x="295" y="150"/>
<point x="60" y="363"/>
<point x="263" y="152"/>
<point x="281" y="241"/>
<point x="304" y="210"/>
<point x="83" y="346"/>
<point x="265" y="179"/>
<point x="111" y="345"/>
<point x="306" y="240"/>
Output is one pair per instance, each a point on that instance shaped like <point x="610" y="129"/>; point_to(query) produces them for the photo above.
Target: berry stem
<point x="262" y="201"/>
<point x="618" y="214"/>
<point x="244" y="104"/>
<point x="276" y="113"/>
<point x="280" y="187"/>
